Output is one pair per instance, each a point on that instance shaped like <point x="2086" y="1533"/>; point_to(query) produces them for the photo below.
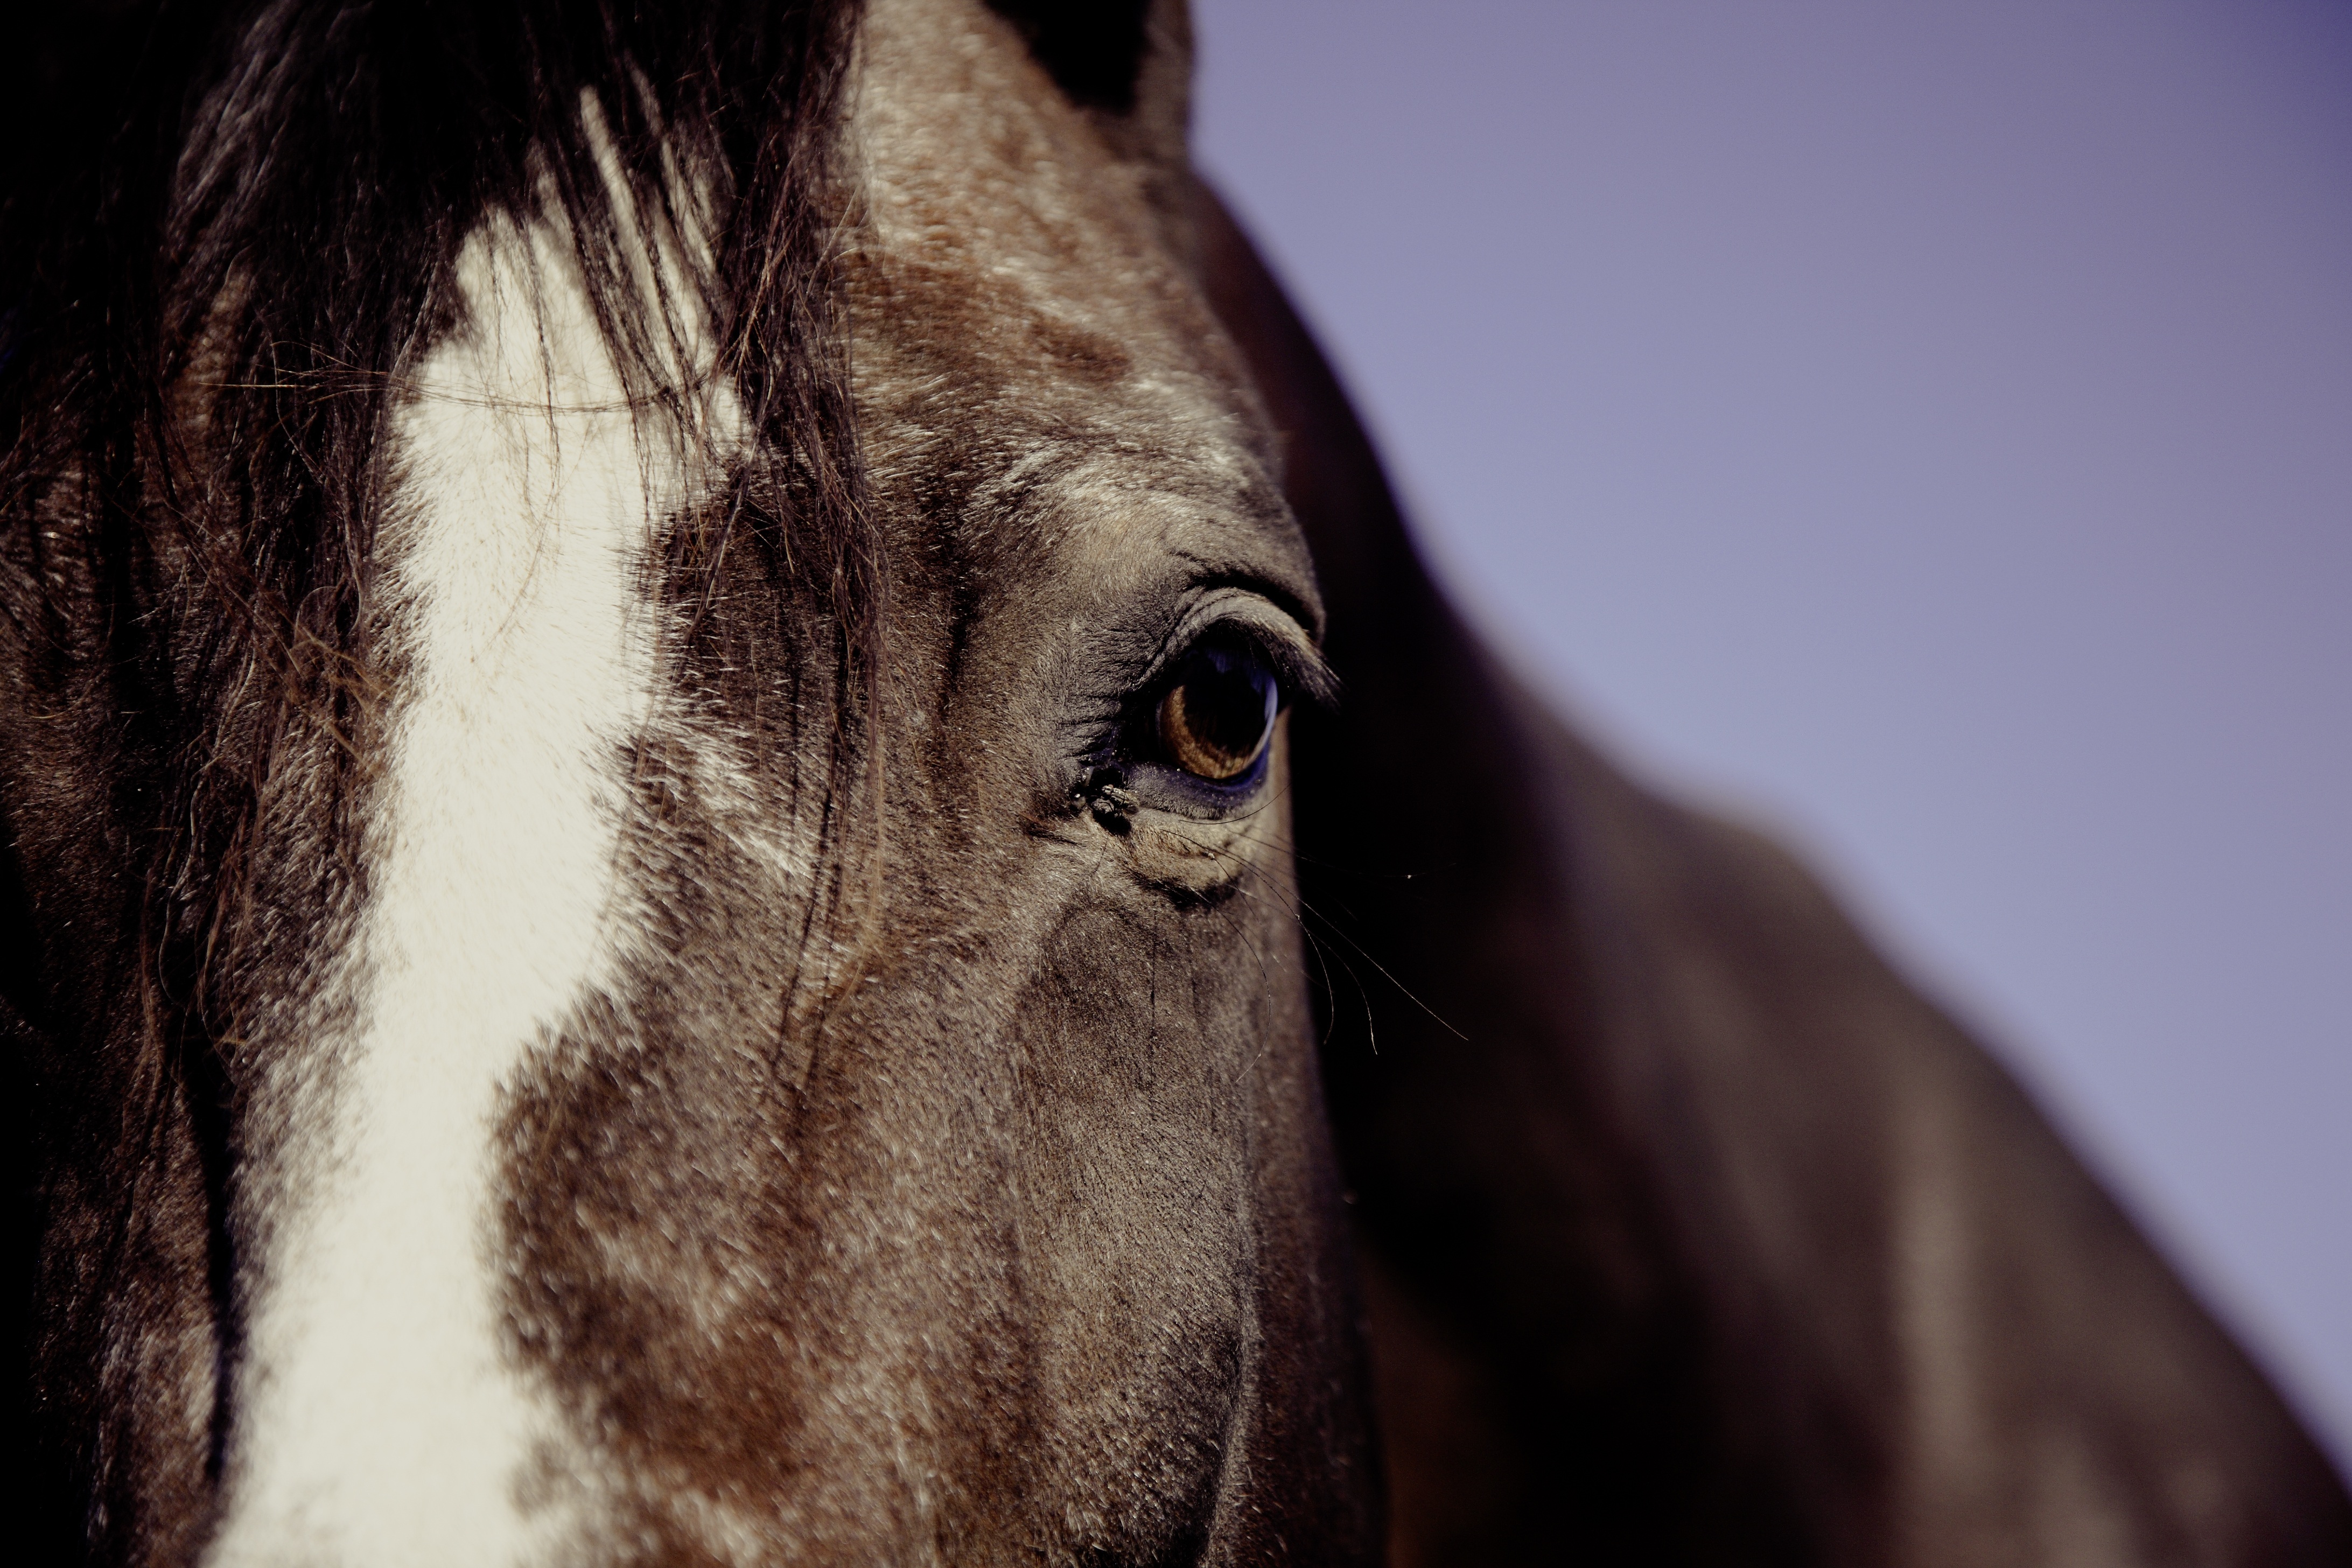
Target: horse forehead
<point x="1016" y="290"/>
<point x="975" y="169"/>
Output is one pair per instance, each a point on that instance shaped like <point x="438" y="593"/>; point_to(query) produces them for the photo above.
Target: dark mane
<point x="256" y="212"/>
<point x="229" y="234"/>
<point x="219" y="283"/>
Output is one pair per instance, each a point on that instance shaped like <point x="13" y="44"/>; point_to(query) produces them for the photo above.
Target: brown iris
<point x="1216" y="719"/>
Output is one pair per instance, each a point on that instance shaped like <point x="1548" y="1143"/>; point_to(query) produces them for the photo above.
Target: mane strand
<point x="228" y="232"/>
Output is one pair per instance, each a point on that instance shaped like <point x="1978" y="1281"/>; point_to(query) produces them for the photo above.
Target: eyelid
<point x="1285" y="643"/>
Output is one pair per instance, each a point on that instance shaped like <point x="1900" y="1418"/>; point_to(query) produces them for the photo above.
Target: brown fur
<point x="950" y="1172"/>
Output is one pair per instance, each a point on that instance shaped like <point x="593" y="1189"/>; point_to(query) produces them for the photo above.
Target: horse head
<point x="670" y="685"/>
<point x="749" y="1000"/>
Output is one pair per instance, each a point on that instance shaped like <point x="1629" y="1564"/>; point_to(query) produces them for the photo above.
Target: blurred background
<point x="1926" y="429"/>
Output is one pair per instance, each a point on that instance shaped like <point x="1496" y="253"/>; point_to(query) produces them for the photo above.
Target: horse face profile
<point x="720" y="1096"/>
<point x="680" y="682"/>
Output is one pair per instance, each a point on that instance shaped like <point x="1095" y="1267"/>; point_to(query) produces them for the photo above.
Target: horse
<point x="738" y="831"/>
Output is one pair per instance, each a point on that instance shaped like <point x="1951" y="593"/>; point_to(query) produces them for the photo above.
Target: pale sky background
<point x="1929" y="428"/>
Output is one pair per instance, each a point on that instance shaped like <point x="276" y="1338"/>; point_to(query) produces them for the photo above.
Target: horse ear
<point x="1128" y="62"/>
<point x="1687" y="1229"/>
<point x="1125" y="65"/>
<point x="1093" y="50"/>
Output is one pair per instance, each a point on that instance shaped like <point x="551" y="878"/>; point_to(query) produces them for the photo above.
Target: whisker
<point x="1333" y="928"/>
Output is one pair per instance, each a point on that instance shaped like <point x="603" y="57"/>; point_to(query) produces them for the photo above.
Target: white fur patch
<point x="380" y="1416"/>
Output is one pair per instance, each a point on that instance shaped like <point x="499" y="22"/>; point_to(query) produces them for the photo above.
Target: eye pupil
<point x="1216" y="719"/>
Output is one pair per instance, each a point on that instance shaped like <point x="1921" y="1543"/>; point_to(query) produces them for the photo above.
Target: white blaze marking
<point x="379" y="1417"/>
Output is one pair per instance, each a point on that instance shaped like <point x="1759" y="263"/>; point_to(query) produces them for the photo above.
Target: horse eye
<point x="1216" y="719"/>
